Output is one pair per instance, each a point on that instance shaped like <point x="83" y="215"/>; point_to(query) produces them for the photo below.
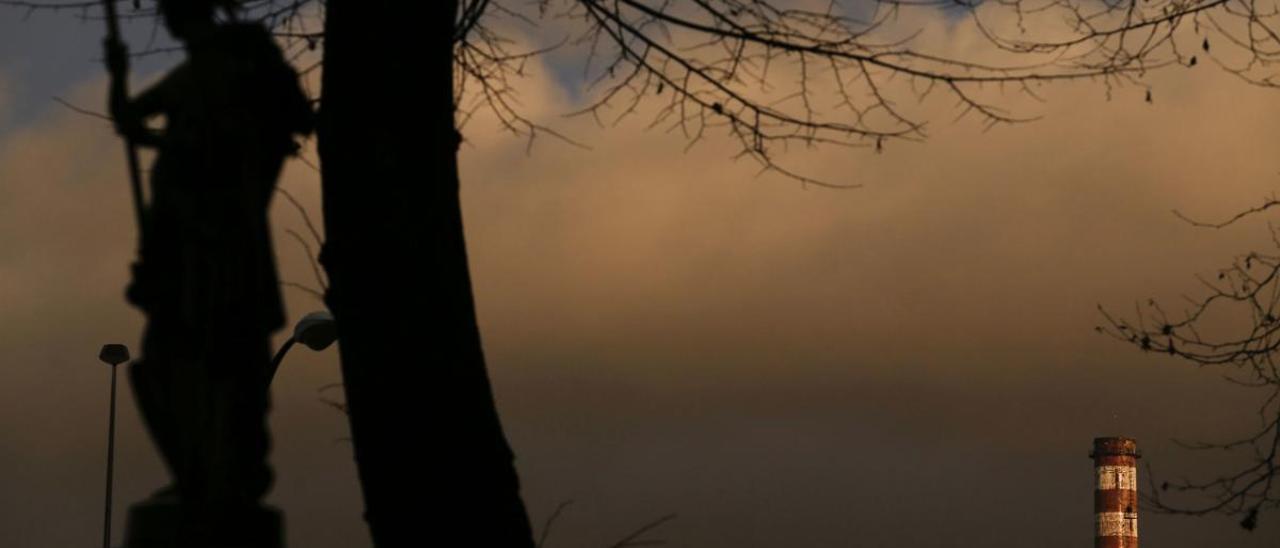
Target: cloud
<point x="1021" y="221"/>
<point x="5" y="98"/>
<point x="943" y="309"/>
<point x="669" y="331"/>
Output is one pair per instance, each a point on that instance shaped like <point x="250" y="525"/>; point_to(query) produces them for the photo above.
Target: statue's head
<point x="186" y="19"/>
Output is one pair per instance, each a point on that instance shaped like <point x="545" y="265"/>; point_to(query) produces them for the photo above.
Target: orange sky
<point x="910" y="362"/>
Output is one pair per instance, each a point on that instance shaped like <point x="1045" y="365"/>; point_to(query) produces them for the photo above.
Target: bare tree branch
<point x="1249" y="290"/>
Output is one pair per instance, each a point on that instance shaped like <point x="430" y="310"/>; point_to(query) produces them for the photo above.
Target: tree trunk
<point x="434" y="464"/>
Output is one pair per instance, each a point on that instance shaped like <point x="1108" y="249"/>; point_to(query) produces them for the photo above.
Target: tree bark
<point x="434" y="464"/>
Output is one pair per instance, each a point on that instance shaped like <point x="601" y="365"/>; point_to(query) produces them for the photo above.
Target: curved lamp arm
<point x="316" y="331"/>
<point x="279" y="357"/>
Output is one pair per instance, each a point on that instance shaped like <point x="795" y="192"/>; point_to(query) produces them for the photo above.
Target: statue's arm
<point x="129" y="114"/>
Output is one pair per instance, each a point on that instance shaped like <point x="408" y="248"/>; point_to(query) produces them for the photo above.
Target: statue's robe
<point x="206" y="276"/>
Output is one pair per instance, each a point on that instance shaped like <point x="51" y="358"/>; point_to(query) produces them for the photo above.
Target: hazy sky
<point x="910" y="364"/>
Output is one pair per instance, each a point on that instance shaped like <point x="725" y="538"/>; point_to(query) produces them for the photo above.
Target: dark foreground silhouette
<point x="205" y="276"/>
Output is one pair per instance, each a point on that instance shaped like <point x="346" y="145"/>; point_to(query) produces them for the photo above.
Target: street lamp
<point x="113" y="355"/>
<point x="316" y="331"/>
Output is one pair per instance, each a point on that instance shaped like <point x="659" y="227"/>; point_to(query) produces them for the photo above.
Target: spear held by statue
<point x="118" y="69"/>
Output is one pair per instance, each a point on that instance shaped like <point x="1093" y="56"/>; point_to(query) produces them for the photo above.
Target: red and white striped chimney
<point x="1115" y="499"/>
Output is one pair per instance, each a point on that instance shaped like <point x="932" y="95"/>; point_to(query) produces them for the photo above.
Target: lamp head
<point x="316" y="330"/>
<point x="114" y="354"/>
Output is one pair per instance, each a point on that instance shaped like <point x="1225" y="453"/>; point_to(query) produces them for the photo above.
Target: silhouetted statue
<point x="205" y="277"/>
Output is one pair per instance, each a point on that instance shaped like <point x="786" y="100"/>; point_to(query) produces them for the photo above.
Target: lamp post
<point x="113" y="355"/>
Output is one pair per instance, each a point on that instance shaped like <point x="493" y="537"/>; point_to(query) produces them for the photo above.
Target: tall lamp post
<point x="113" y="355"/>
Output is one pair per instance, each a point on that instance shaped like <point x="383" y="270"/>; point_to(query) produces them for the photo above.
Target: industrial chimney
<point x="1115" y="498"/>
